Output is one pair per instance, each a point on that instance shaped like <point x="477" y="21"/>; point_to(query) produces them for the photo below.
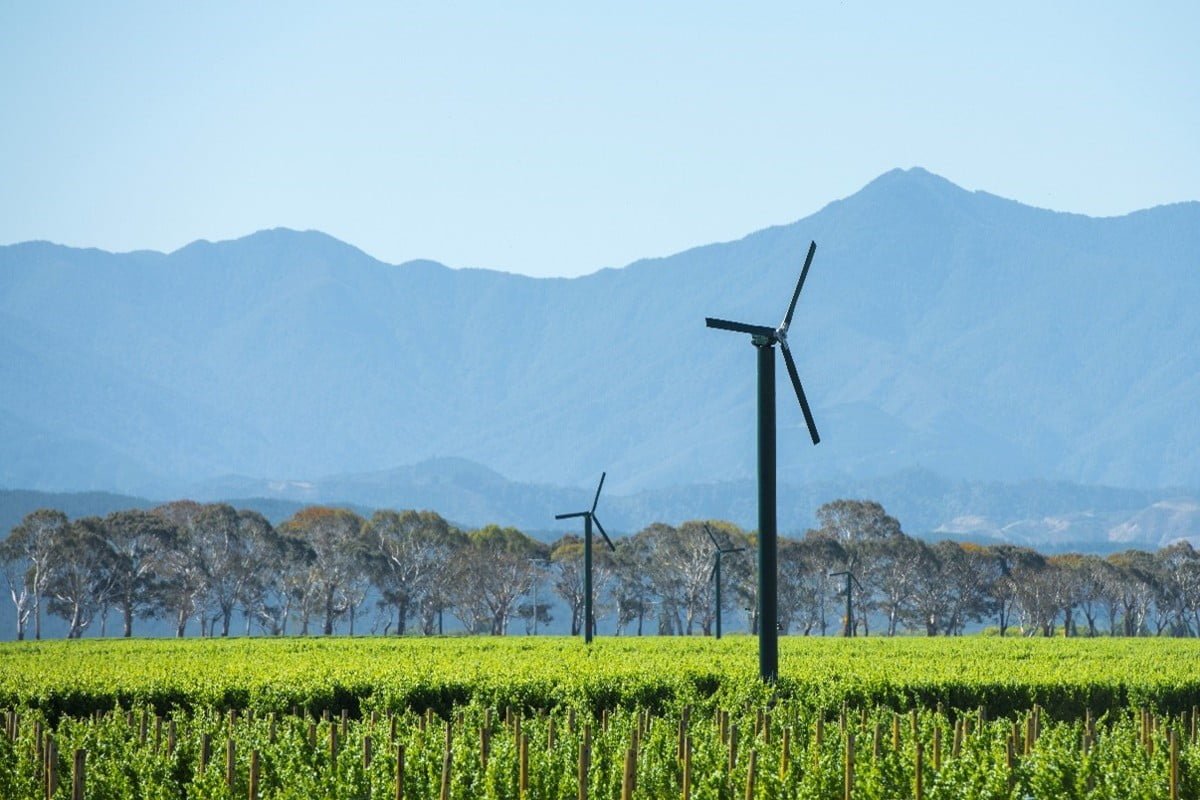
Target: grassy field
<point x="629" y="719"/>
<point x="1064" y="676"/>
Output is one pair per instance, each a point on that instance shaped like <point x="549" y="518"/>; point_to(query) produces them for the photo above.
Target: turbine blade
<point x="569" y="516"/>
<point x="787" y="320"/>
<point x="600" y="527"/>
<point x="598" y="488"/>
<point x="808" y="417"/>
<point x="708" y="530"/>
<point x="740" y="327"/>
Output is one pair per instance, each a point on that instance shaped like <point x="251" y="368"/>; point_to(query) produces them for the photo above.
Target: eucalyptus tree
<point x="632" y="590"/>
<point x="1088" y="578"/>
<point x="140" y="542"/>
<point x="182" y="585"/>
<point x="566" y="576"/>
<point x="1137" y="585"/>
<point x="27" y="558"/>
<point x="335" y="536"/>
<point x="893" y="566"/>
<point x="1038" y="591"/>
<point x="859" y="527"/>
<point x="1179" y="568"/>
<point x="821" y="554"/>
<point x="496" y="569"/>
<point x="1011" y="562"/>
<point x="408" y="557"/>
<point x="238" y="549"/>
<point x="82" y="578"/>
<point x="970" y="572"/>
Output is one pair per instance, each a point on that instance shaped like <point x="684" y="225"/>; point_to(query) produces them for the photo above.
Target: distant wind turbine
<point x="764" y="339"/>
<point x="589" y="517"/>
<point x="716" y="569"/>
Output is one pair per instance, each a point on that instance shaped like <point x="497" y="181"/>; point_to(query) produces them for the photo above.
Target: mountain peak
<point x="913" y="179"/>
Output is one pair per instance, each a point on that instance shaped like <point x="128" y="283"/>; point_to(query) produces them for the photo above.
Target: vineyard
<point x="633" y="718"/>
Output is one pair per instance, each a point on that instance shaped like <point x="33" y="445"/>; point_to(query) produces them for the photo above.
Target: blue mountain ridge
<point x="940" y="329"/>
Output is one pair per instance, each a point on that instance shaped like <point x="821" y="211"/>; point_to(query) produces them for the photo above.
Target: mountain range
<point x="942" y="333"/>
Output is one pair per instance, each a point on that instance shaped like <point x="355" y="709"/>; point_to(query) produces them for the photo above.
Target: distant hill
<point x="15" y="504"/>
<point x="944" y="331"/>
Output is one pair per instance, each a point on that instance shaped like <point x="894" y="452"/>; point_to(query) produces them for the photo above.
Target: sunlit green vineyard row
<point x="1066" y="677"/>
<point x="788" y="750"/>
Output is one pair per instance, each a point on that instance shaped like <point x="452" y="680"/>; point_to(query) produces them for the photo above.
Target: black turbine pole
<point x="716" y="570"/>
<point x="589" y="517"/>
<point x="765" y="338"/>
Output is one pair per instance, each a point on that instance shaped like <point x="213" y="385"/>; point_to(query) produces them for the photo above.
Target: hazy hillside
<point x="940" y="329"/>
<point x="1048" y="516"/>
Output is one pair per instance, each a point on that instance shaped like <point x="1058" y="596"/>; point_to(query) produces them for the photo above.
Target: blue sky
<point x="548" y="140"/>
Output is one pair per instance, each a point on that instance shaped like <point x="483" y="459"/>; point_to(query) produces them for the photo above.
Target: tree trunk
<point x="37" y="617"/>
<point x="127" y="616"/>
<point x="327" y="629"/>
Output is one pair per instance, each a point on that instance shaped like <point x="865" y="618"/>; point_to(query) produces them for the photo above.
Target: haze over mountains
<point x="947" y="334"/>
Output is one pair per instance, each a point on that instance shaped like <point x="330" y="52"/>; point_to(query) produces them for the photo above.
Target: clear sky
<point x="556" y="139"/>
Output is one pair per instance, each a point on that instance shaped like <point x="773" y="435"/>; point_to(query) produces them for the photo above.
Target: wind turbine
<point x="716" y="570"/>
<point x="764" y="339"/>
<point x="589" y="517"/>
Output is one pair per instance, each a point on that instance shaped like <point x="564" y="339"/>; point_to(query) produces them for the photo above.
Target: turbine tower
<point x="589" y="517"/>
<point x="764" y="339"/>
<point x="716" y="570"/>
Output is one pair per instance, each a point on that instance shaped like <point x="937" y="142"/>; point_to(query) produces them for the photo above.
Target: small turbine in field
<point x="589" y="517"/>
<point x="716" y="569"/>
<point x="764" y="339"/>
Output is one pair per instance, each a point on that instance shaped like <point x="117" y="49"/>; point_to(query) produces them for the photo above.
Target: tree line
<point x="324" y="568"/>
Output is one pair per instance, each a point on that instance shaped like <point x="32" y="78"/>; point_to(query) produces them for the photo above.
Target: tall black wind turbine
<point x="764" y="339"/>
<point x="589" y="517"/>
<point x="716" y="570"/>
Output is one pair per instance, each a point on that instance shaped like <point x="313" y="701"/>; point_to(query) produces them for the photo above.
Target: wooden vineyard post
<point x="271" y="732"/>
<point x="1173" y="777"/>
<point x="918" y="766"/>
<point x="585" y="757"/>
<point x="333" y="745"/>
<point x="628" y="777"/>
<point x="937" y="745"/>
<point x="956" y="747"/>
<point x="255" y="766"/>
<point x="447" y="762"/>
<point x="51" y="767"/>
<point x="849" y="783"/>
<point x="550" y="738"/>
<point x="78" y="780"/>
<point x="750" y="776"/>
<point x="877" y="742"/>
<point x="400" y="772"/>
<point x="367" y="751"/>
<point x="230" y="762"/>
<point x="683" y="732"/>
<point x="896" y="732"/>
<point x="523" y="768"/>
<point x="686" y="789"/>
<point x="733" y="747"/>
<point x="205" y="751"/>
